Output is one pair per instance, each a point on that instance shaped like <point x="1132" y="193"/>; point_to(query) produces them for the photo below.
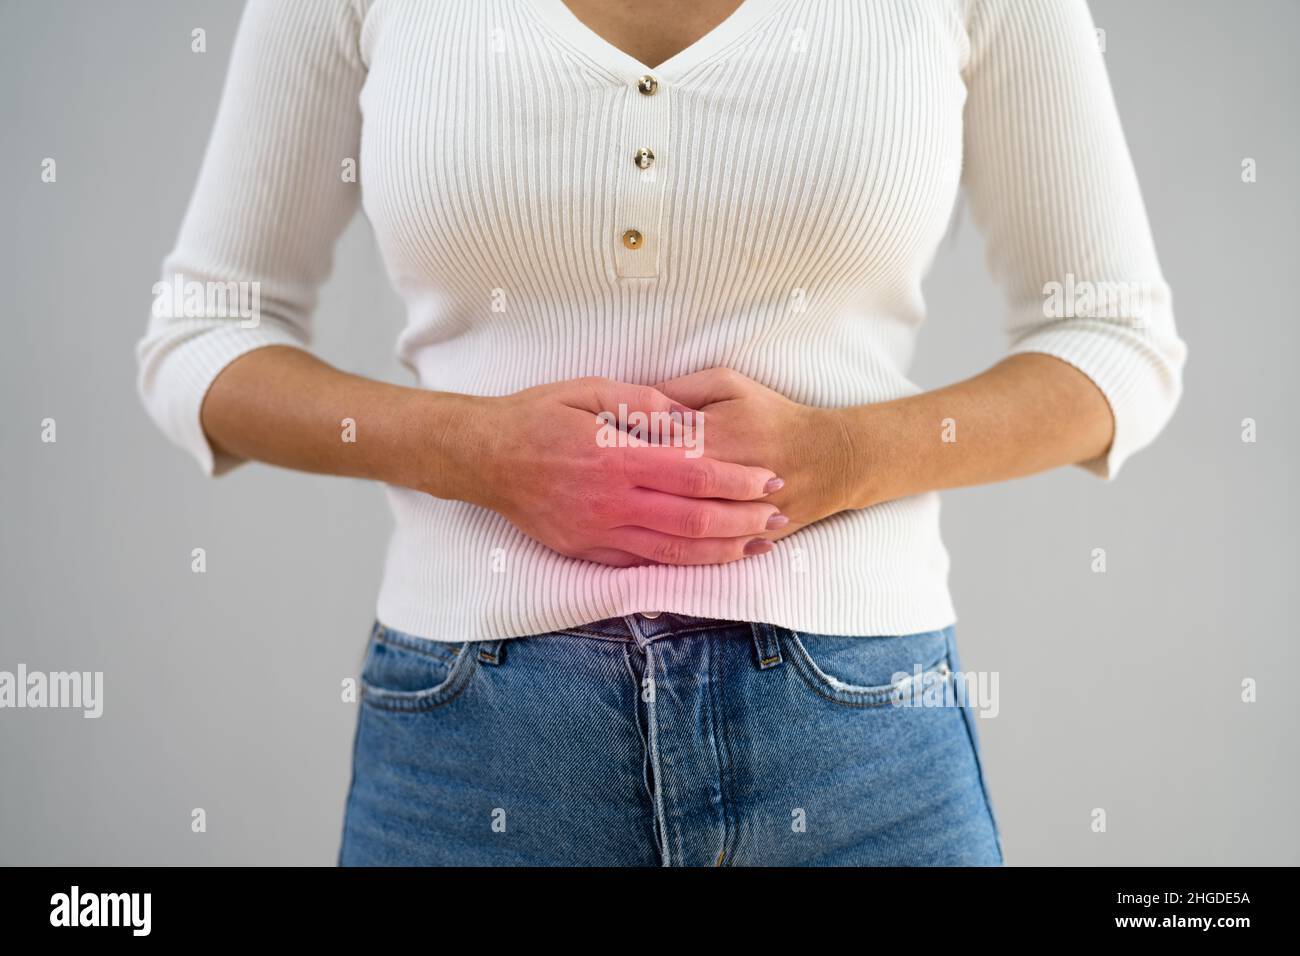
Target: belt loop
<point x="636" y="630"/>
<point x="767" y="647"/>
<point x="490" y="652"/>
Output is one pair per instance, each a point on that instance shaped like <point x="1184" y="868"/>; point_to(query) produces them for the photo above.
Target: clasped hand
<point x="738" y="467"/>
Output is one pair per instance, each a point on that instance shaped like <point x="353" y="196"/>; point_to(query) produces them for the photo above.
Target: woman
<point x="696" y="649"/>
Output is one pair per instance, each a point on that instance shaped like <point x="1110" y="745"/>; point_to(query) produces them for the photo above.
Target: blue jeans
<point x="667" y="741"/>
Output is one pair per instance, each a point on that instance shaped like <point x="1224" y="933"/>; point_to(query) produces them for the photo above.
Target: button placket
<point x="638" y="225"/>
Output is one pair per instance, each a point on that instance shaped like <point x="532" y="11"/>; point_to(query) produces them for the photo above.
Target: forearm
<point x="286" y="407"/>
<point x="1028" y="413"/>
<point x="535" y="457"/>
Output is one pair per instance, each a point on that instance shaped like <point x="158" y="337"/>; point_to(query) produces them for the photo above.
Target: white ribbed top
<point x="808" y="156"/>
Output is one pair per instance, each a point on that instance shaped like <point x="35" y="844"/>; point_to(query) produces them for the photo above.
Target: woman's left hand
<point x="813" y="449"/>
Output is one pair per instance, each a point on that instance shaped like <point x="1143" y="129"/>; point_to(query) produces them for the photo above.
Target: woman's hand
<point x="813" y="449"/>
<point x="534" y="457"/>
<point x="1028" y="413"/>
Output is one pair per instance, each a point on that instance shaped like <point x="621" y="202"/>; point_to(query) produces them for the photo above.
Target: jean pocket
<point x="870" y="671"/>
<point x="405" y="672"/>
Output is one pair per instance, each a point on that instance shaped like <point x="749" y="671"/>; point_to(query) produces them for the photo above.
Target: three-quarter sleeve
<point x="1050" y="183"/>
<point x="273" y="194"/>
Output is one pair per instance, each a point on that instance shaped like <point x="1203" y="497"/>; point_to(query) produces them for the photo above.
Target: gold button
<point x="644" y="158"/>
<point x="647" y="85"/>
<point x="632" y="239"/>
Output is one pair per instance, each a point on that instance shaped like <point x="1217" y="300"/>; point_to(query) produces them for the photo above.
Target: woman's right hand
<point x="534" y="458"/>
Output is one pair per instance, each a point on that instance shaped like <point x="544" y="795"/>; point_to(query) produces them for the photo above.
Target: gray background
<point x="1118" y="690"/>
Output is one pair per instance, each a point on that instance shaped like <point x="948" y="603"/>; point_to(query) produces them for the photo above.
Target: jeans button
<point x="650" y="615"/>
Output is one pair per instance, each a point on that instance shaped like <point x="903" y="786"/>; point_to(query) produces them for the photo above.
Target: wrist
<point x="451" y="458"/>
<point x="869" y="464"/>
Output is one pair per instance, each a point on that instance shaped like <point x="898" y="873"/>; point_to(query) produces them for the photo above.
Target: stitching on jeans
<point x="866" y="698"/>
<point x="590" y="637"/>
<point x="721" y="745"/>
<point x="694" y="629"/>
<point x="652" y="731"/>
<point x="418" y="645"/>
<point x="462" y="669"/>
<point x="645" y="745"/>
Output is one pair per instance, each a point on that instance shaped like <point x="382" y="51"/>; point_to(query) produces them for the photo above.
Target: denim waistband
<point x="645" y="630"/>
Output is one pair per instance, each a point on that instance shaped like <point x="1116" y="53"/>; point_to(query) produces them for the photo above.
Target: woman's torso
<point x="806" y="160"/>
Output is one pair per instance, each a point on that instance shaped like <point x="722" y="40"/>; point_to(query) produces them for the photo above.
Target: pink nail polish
<point x="758" y="546"/>
<point x="773" y="485"/>
<point x="777" y="521"/>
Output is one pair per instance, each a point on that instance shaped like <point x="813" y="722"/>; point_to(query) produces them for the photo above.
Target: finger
<point x="708" y="387"/>
<point x="663" y="420"/>
<point x="673" y="549"/>
<point x="700" y="518"/>
<point x="671" y="471"/>
<point x="614" y="558"/>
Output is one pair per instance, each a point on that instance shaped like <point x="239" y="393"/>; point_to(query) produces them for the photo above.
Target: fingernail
<point x="773" y="485"/>
<point x="758" y="546"/>
<point x="777" y="521"/>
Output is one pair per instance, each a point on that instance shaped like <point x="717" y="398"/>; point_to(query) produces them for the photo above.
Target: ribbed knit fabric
<point x="808" y="154"/>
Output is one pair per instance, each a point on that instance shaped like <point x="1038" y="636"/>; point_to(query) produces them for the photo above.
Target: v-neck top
<point x="603" y="55"/>
<point x="769" y="199"/>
